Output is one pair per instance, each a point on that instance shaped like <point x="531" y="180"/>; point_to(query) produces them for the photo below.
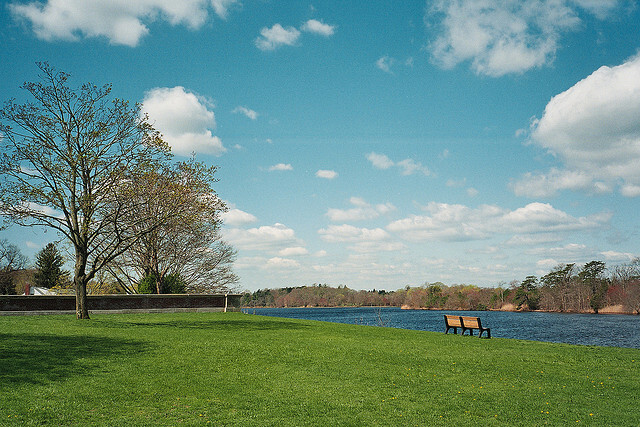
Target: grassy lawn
<point x="236" y="369"/>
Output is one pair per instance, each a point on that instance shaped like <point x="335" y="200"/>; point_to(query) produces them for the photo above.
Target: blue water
<point x="583" y="329"/>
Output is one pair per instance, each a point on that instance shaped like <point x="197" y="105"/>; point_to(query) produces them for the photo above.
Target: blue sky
<point x="375" y="144"/>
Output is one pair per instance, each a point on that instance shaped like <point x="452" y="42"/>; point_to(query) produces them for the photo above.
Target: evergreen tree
<point x="49" y="264"/>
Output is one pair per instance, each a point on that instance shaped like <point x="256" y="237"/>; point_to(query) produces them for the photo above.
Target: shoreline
<point x="608" y="310"/>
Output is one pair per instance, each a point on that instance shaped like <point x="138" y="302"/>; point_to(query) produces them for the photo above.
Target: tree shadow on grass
<point x="42" y="358"/>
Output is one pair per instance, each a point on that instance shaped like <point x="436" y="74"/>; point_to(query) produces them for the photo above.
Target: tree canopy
<point x="69" y="158"/>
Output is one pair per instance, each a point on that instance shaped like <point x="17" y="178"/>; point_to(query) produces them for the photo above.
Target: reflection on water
<point x="585" y="329"/>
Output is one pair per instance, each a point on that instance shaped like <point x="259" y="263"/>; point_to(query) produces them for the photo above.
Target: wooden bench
<point x="452" y="322"/>
<point x="467" y="323"/>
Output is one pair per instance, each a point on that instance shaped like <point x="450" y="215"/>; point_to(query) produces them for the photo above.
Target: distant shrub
<point x="171" y="284"/>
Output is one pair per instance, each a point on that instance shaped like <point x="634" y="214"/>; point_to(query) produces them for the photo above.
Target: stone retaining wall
<point x="53" y="303"/>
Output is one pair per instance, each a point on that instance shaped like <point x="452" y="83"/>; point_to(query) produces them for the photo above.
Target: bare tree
<point x="189" y="244"/>
<point x="11" y="259"/>
<point x="68" y="158"/>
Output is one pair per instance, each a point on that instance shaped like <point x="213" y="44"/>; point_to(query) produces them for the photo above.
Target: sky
<point x="375" y="144"/>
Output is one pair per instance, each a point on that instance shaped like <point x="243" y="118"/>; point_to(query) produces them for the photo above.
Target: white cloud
<point x="410" y="166"/>
<point x="547" y="185"/>
<point x="282" y="263"/>
<point x="445" y="222"/>
<point x="546" y="264"/>
<point x="614" y="256"/>
<point x="505" y="36"/>
<point x="380" y="161"/>
<point x="276" y="36"/>
<point x="572" y="252"/>
<point x="593" y="128"/>
<point x="281" y="167"/>
<point x="238" y="217"/>
<point x="406" y="166"/>
<point x="265" y="238"/>
<point x="351" y="234"/>
<point x="533" y="239"/>
<point x="122" y="22"/>
<point x="327" y="174"/>
<point x="376" y="247"/>
<point x="44" y="210"/>
<point x="184" y="119"/>
<point x="246" y="111"/>
<point x="385" y="63"/>
<point x="32" y="245"/>
<point x="294" y="251"/>
<point x="630" y="190"/>
<point x="221" y="7"/>
<point x="318" y="27"/>
<point x="361" y="211"/>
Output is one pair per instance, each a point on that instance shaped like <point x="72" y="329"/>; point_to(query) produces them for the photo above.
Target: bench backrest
<point x="453" y="321"/>
<point x="471" y="322"/>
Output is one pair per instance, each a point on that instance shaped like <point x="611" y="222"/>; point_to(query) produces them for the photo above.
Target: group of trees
<point x="95" y="170"/>
<point x="569" y="288"/>
<point x="566" y="288"/>
<point x="11" y="260"/>
<point x="319" y="295"/>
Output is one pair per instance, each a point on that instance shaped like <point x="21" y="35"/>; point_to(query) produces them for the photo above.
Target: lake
<point x="613" y="330"/>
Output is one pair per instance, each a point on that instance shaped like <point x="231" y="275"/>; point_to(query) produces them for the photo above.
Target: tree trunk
<point x="80" y="283"/>
<point x="82" y="311"/>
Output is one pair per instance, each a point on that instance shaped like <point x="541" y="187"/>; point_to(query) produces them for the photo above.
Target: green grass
<point x="236" y="369"/>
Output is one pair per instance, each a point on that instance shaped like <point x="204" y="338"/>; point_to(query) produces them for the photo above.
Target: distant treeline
<point x="567" y="288"/>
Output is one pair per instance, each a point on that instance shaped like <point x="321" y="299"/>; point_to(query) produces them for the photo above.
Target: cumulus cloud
<point x="265" y="238"/>
<point x="593" y="128"/>
<point x="282" y="263"/>
<point x="246" y="111"/>
<point x="238" y="217"/>
<point x="294" y="251"/>
<point x="361" y="211"/>
<point x="572" y="252"/>
<point x="406" y="166"/>
<point x="410" y="166"/>
<point x="505" y="36"/>
<point x="380" y="161"/>
<point x="184" y="119"/>
<point x="221" y="7"/>
<point x="327" y="174"/>
<point x="618" y="256"/>
<point x="281" y="167"/>
<point x="447" y="222"/>
<point x="276" y="36"/>
<point x="318" y="27"/>
<point x="376" y="247"/>
<point x="385" y="63"/>
<point x="349" y="233"/>
<point x="122" y="22"/>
